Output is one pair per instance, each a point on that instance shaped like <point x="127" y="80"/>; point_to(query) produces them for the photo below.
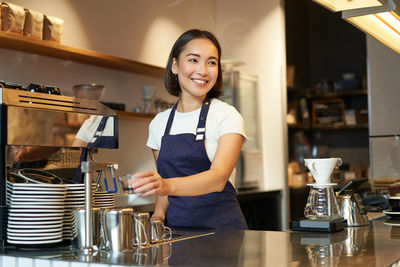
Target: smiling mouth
<point x="200" y="82"/>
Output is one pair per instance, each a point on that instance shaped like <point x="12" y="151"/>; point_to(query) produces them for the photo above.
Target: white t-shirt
<point x="89" y="127"/>
<point x="222" y="118"/>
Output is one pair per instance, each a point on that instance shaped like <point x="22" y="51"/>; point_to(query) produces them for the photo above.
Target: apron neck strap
<point x="201" y="125"/>
<point x="170" y="119"/>
<point x="99" y="131"/>
<point x="202" y="119"/>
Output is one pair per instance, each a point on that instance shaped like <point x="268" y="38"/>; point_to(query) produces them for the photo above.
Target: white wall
<point x="253" y="32"/>
<point x="384" y="95"/>
<point x="383" y="85"/>
<point x="134" y="29"/>
<point x="138" y="30"/>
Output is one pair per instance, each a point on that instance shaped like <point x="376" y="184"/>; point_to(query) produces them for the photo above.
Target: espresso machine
<point x="44" y="120"/>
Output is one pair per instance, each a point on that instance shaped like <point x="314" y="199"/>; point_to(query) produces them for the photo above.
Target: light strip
<point x="383" y="23"/>
<point x="391" y="19"/>
<point x="340" y="5"/>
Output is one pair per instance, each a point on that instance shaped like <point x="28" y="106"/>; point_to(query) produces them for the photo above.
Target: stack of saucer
<point x="75" y="198"/>
<point x="35" y="213"/>
<point x="102" y="199"/>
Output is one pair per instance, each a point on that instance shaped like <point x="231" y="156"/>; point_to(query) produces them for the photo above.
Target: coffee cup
<point x="394" y="203"/>
<point x="126" y="185"/>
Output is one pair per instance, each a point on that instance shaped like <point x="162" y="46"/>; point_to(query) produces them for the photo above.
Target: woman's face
<point x="197" y="67"/>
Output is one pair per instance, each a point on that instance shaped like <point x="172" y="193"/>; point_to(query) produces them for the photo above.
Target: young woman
<point x="196" y="143"/>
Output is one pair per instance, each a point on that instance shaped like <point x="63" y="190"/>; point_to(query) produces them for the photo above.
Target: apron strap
<point x="170" y="119"/>
<point x="99" y="131"/>
<point x="84" y="154"/>
<point x="201" y="125"/>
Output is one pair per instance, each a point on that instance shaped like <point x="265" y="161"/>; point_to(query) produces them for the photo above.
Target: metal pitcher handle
<point x="105" y="243"/>
<point x="170" y="233"/>
<point x="137" y="241"/>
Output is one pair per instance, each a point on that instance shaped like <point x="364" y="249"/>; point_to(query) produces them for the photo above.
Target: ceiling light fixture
<point x="340" y="5"/>
<point x="383" y="23"/>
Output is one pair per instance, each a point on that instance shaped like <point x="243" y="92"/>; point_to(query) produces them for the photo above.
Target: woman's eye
<point x="192" y="60"/>
<point x="212" y="62"/>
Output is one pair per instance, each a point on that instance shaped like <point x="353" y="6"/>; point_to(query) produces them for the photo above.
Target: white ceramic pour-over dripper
<point x="147" y="91"/>
<point x="321" y="169"/>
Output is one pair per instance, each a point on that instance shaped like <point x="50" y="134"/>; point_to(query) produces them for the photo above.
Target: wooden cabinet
<point x="262" y="210"/>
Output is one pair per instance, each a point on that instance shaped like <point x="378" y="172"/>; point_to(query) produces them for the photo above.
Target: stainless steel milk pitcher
<point x="158" y="232"/>
<point x="142" y="229"/>
<point x="124" y="229"/>
<point x="79" y="228"/>
<point x="118" y="228"/>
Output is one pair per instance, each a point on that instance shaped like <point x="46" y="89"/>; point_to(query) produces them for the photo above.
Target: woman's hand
<point x="30" y="153"/>
<point x="15" y="153"/>
<point x="157" y="217"/>
<point x="149" y="183"/>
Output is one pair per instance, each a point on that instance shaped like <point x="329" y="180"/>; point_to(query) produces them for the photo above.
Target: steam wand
<point x="88" y="168"/>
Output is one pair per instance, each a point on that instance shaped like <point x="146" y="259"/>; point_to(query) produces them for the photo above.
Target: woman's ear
<point x="174" y="66"/>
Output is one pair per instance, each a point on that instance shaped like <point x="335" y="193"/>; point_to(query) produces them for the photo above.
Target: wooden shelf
<point x="124" y="115"/>
<point x="51" y="49"/>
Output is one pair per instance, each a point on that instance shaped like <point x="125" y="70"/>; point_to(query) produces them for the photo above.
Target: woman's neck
<point x="188" y="104"/>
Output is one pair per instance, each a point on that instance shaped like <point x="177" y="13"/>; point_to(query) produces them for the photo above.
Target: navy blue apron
<point x="185" y="154"/>
<point x="97" y="141"/>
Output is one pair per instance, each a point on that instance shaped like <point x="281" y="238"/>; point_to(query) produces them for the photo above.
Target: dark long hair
<point x="171" y="80"/>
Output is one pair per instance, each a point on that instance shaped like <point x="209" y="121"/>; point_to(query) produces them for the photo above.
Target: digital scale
<point x="309" y="225"/>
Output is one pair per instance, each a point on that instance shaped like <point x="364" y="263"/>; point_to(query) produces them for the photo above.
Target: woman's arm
<point x="31" y="153"/>
<point x="161" y="201"/>
<point x="213" y="180"/>
<point x="79" y="143"/>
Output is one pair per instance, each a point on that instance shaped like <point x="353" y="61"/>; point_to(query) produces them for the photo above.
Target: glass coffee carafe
<point x="148" y="92"/>
<point x="321" y="202"/>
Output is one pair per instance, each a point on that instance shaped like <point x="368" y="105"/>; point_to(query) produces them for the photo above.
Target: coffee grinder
<point x="322" y="213"/>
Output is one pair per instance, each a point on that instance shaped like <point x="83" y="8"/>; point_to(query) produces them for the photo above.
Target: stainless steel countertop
<point x="373" y="245"/>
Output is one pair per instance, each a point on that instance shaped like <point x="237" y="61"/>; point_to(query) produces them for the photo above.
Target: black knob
<point x="52" y="90"/>
<point x="34" y="87"/>
<point x="13" y="85"/>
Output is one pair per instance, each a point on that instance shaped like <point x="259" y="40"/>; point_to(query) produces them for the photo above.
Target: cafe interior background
<point x="267" y="36"/>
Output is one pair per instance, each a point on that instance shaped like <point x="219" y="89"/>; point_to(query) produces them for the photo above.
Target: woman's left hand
<point x="149" y="183"/>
